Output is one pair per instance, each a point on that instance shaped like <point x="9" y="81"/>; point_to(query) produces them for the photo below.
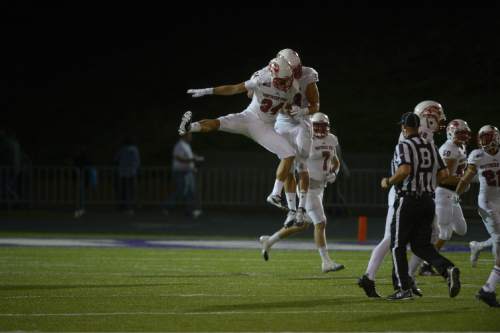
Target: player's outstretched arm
<point x="227" y="90"/>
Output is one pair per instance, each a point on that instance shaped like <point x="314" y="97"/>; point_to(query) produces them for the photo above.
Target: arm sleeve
<point x="251" y="84"/>
<point x="402" y="155"/>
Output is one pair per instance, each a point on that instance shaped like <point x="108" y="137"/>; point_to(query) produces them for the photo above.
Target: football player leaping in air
<point x="296" y="128"/>
<point x="272" y="89"/>
<point x="323" y="166"/>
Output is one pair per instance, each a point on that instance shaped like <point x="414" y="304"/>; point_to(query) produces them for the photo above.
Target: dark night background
<point x="84" y="73"/>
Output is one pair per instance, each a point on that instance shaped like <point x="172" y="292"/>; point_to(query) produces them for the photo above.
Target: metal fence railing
<point x="67" y="186"/>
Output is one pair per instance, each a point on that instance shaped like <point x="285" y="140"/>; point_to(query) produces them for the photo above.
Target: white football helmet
<point x="281" y="73"/>
<point x="488" y="138"/>
<point x="293" y="58"/>
<point x="458" y="131"/>
<point x="321" y="125"/>
<point x="431" y="115"/>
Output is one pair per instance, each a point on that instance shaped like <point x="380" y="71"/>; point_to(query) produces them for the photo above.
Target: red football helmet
<point x="281" y="74"/>
<point x="488" y="138"/>
<point x="293" y="58"/>
<point x="431" y="115"/>
<point x="458" y="131"/>
<point x="321" y="125"/>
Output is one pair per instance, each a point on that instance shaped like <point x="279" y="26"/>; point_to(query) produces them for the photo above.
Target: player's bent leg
<point x="206" y="125"/>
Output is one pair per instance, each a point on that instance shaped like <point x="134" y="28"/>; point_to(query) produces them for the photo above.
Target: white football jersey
<point x="424" y="133"/>
<point x="267" y="101"/>
<point x="319" y="162"/>
<point x="309" y="75"/>
<point x="488" y="170"/>
<point x="450" y="151"/>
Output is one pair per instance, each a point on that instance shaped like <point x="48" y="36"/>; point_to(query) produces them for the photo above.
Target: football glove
<point x="200" y="92"/>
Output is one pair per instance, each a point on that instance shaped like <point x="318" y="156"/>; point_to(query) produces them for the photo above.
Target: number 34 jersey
<point x="488" y="170"/>
<point x="319" y="162"/>
<point x="450" y="151"/>
<point x="267" y="101"/>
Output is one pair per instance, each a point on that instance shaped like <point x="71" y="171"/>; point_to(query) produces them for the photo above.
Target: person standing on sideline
<point x="485" y="162"/>
<point x="183" y="175"/>
<point x="128" y="161"/>
<point x="86" y="175"/>
<point x="419" y="169"/>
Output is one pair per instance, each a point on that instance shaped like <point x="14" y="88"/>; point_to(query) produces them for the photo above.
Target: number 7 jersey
<point x="319" y="162"/>
<point x="488" y="170"/>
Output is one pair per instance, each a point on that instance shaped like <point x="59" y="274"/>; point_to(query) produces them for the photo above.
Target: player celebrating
<point x="432" y="117"/>
<point x="272" y="90"/>
<point x="295" y="126"/>
<point x="449" y="215"/>
<point x="323" y="166"/>
<point x="485" y="162"/>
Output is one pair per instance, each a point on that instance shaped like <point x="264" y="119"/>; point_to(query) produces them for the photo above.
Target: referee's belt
<point x="417" y="195"/>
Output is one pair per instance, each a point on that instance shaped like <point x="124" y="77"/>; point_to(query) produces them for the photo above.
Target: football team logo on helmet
<point x="321" y="125"/>
<point x="488" y="138"/>
<point x="281" y="73"/>
<point x="293" y="58"/>
<point x="458" y="131"/>
<point x="431" y="115"/>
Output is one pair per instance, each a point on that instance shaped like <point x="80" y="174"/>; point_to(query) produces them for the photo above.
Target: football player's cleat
<point x="275" y="200"/>
<point x="453" y="281"/>
<point x="368" y="286"/>
<point x="475" y="249"/>
<point x="489" y="298"/>
<point x="331" y="267"/>
<point x="185" y="125"/>
<point x="264" y="243"/>
<point x="401" y="295"/>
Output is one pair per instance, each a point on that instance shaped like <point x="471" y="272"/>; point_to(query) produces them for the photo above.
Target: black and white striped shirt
<point x="425" y="162"/>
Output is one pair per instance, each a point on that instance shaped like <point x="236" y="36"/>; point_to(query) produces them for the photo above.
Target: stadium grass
<point x="145" y="290"/>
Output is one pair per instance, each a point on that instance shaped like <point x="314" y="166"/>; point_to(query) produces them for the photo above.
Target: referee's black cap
<point x="410" y="119"/>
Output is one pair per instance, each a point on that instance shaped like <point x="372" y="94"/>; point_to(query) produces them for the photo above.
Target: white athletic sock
<point x="377" y="257"/>
<point x="195" y="127"/>
<point x="323" y="252"/>
<point x="492" y="282"/>
<point x="291" y="199"/>
<point x="278" y="187"/>
<point x="274" y="239"/>
<point x="413" y="265"/>
<point x="302" y="199"/>
<point x="486" y="243"/>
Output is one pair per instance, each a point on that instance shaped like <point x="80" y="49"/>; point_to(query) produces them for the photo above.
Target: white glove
<point x="455" y="199"/>
<point x="200" y="92"/>
<point x="297" y="111"/>
<point x="330" y="179"/>
<point x="198" y="158"/>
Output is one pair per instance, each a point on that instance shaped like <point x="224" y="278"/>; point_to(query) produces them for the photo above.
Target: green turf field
<point x="144" y="290"/>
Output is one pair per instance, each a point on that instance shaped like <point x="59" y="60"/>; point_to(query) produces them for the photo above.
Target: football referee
<point x="419" y="170"/>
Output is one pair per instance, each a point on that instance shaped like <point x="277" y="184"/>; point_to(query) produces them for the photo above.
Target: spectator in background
<point x="86" y="178"/>
<point x="128" y="161"/>
<point x="183" y="175"/>
<point x="10" y="161"/>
